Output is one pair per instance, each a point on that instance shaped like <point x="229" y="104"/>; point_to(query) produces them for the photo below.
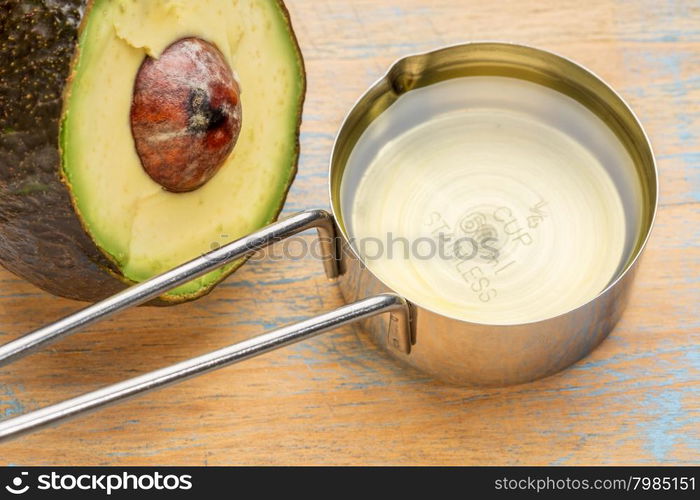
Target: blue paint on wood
<point x="678" y="89"/>
<point x="665" y="431"/>
<point x="10" y="404"/>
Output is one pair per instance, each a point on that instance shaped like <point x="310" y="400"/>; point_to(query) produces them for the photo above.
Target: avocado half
<point x="81" y="213"/>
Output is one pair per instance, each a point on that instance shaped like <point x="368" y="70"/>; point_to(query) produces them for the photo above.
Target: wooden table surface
<point x="338" y="400"/>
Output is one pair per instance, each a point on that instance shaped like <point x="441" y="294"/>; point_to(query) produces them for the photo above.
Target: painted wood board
<point x="338" y="400"/>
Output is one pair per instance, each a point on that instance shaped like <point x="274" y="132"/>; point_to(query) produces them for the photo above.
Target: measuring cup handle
<point x="154" y="287"/>
<point x="235" y="353"/>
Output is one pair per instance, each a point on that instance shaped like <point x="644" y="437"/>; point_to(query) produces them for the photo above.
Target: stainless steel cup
<point x="492" y="355"/>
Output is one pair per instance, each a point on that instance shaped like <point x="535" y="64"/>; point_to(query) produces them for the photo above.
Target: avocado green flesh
<point x="142" y="228"/>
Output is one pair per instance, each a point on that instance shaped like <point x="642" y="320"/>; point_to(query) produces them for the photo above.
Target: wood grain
<point x="336" y="399"/>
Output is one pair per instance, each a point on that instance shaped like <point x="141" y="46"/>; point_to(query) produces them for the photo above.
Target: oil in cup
<point x="492" y="200"/>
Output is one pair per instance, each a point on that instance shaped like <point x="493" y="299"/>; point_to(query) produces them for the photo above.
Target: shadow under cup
<point x="506" y="193"/>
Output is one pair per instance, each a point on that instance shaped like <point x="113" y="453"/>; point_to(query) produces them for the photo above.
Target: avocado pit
<point x="185" y="114"/>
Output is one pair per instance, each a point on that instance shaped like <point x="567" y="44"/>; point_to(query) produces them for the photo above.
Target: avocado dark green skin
<point x="41" y="237"/>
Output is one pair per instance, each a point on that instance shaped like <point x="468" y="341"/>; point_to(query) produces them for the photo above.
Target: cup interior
<point x="494" y="183"/>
